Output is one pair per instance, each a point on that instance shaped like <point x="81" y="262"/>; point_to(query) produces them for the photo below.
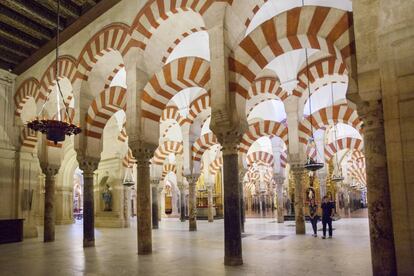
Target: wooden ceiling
<point x="28" y="27"/>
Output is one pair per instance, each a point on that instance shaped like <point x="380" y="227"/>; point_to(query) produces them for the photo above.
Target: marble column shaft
<point x="88" y="167"/>
<point x="231" y="192"/>
<point x="298" y="174"/>
<point x="143" y="193"/>
<point x="50" y="172"/>
<point x="192" y="202"/>
<point x="279" y="193"/>
<point x="378" y="192"/>
<point x="182" y="201"/>
<point x="241" y="202"/>
<point x="154" y="203"/>
<point x="210" y="203"/>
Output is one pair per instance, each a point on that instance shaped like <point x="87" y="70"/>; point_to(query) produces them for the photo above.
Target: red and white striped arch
<point x="326" y="29"/>
<point x="106" y="104"/>
<point x="167" y="168"/>
<point x="67" y="69"/>
<point x="165" y="149"/>
<point x="202" y="144"/>
<point x="122" y="136"/>
<point x="263" y="128"/>
<point x="175" y="76"/>
<point x="30" y="88"/>
<point x="64" y="114"/>
<point x="283" y="159"/>
<point x="129" y="160"/>
<point x="267" y="85"/>
<point x="318" y="70"/>
<point x="171" y="113"/>
<point x="215" y="166"/>
<point x="328" y="116"/>
<point x="111" y="76"/>
<point x="154" y="11"/>
<point x="198" y="105"/>
<point x="114" y="37"/>
<point x="28" y="139"/>
<point x="340" y="144"/>
<point x="260" y="157"/>
<point x="178" y="41"/>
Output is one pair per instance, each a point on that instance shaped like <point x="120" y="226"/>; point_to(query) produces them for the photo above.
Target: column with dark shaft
<point x="298" y="172"/>
<point x="279" y="193"/>
<point x="143" y="154"/>
<point x="50" y="172"/>
<point x="192" y="202"/>
<point x="210" y="212"/>
<point x="88" y="167"/>
<point x="242" y="213"/>
<point x="232" y="220"/>
<point x="159" y="196"/>
<point x="379" y="205"/>
<point x="181" y="187"/>
<point x="154" y="202"/>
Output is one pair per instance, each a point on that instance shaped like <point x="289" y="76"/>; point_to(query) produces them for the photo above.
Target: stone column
<point x="88" y="167"/>
<point x="242" y="213"/>
<point x="154" y="202"/>
<point x="50" y="172"/>
<point x="298" y="174"/>
<point x="279" y="193"/>
<point x="181" y="187"/>
<point x="192" y="201"/>
<point x="143" y="154"/>
<point x="210" y="213"/>
<point x="378" y="193"/>
<point x="159" y="199"/>
<point x="232" y="221"/>
<point x="322" y="183"/>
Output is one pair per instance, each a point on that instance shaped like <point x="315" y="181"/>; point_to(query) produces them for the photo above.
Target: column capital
<point x="229" y="141"/>
<point x="143" y="152"/>
<point x="49" y="169"/>
<point x="155" y="181"/>
<point x="192" y="179"/>
<point x="297" y="168"/>
<point x="371" y="113"/>
<point x="88" y="164"/>
<point x="279" y="179"/>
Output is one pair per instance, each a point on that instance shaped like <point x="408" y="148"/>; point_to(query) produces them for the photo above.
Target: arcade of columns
<point x="194" y="119"/>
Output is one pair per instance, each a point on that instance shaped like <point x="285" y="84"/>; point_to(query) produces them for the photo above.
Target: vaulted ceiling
<point x="28" y="27"/>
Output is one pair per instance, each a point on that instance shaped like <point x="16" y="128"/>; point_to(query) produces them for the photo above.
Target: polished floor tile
<point x="268" y="249"/>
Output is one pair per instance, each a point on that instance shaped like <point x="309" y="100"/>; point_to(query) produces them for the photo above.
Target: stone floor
<point x="269" y="248"/>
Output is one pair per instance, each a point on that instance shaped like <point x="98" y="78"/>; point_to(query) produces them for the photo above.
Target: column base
<point x="211" y="220"/>
<point x="48" y="240"/>
<point x="233" y="261"/>
<point x="155" y="227"/>
<point x="88" y="243"/>
<point x="145" y="251"/>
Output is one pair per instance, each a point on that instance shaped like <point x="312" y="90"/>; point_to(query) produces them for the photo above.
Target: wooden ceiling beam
<point x="14" y="48"/>
<point x="10" y="57"/>
<point x="25" y="25"/>
<point x="33" y="11"/>
<point x="18" y="37"/>
<point x="100" y="8"/>
<point x="67" y="10"/>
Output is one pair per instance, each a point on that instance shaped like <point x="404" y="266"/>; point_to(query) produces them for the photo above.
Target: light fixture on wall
<point x="311" y="164"/>
<point x="55" y="129"/>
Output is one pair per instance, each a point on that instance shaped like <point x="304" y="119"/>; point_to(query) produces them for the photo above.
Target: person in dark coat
<point x="313" y="215"/>
<point x="327" y="214"/>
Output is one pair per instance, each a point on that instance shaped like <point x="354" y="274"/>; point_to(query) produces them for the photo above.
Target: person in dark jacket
<point x="327" y="214"/>
<point x="313" y="215"/>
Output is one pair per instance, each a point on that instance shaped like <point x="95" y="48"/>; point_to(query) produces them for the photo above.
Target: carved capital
<point x="229" y="141"/>
<point x="279" y="180"/>
<point x="155" y="181"/>
<point x="371" y="113"/>
<point x="192" y="179"/>
<point x="143" y="152"/>
<point x="88" y="165"/>
<point x="49" y="170"/>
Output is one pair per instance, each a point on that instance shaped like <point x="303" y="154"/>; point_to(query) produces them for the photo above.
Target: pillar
<point x="378" y="193"/>
<point x="210" y="213"/>
<point x="242" y="213"/>
<point x="50" y="172"/>
<point x="279" y="193"/>
<point x="192" y="201"/>
<point x="143" y="154"/>
<point x="154" y="202"/>
<point x="181" y="187"/>
<point x="232" y="228"/>
<point x="298" y="172"/>
<point x="160" y="203"/>
<point x="322" y="183"/>
<point x="88" y="167"/>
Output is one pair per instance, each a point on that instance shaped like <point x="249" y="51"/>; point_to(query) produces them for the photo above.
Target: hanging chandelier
<point x="311" y="164"/>
<point x="55" y="129"/>
<point x="128" y="179"/>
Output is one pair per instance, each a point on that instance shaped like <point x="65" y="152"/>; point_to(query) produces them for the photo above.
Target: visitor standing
<point x="313" y="215"/>
<point x="327" y="214"/>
